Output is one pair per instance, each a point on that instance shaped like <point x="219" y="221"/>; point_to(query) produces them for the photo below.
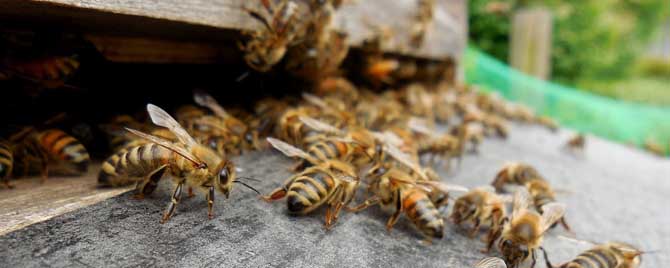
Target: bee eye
<point x="224" y="176"/>
<point x="249" y="137"/>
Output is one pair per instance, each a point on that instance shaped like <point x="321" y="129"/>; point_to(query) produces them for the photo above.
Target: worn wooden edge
<point x="32" y="201"/>
<point x="221" y="20"/>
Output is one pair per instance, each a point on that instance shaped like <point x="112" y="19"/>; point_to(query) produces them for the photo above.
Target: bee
<point x="291" y="128"/>
<point x="577" y="142"/>
<point x="52" y="151"/>
<point x="269" y="45"/>
<point x="542" y="194"/>
<point x="227" y="125"/>
<point x="548" y="122"/>
<point x="515" y="173"/>
<point x="6" y="163"/>
<point x="481" y="206"/>
<point x="435" y="144"/>
<point x="523" y="234"/>
<point x="654" y="147"/>
<point x="421" y="22"/>
<point x="471" y="133"/>
<point x="606" y="255"/>
<point x="186" y="160"/>
<point x="491" y="262"/>
<point x="48" y="72"/>
<point x="377" y="68"/>
<point x="332" y="183"/>
<point x="339" y="87"/>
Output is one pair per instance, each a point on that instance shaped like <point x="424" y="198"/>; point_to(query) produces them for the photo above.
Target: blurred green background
<point x="609" y="47"/>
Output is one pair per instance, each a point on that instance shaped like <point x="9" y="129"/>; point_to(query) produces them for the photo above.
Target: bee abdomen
<point x="422" y="212"/>
<point x="126" y="166"/>
<point x="66" y="148"/>
<point x="595" y="258"/>
<point x="308" y="192"/>
<point x="6" y="160"/>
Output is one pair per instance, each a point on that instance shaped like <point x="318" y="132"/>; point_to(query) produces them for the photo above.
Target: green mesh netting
<point x="617" y="120"/>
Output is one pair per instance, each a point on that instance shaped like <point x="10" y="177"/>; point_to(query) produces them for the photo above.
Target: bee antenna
<point x="249" y="178"/>
<point x="247" y="185"/>
<point x="242" y="76"/>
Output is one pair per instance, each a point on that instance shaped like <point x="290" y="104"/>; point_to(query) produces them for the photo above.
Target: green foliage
<point x="593" y="39"/>
<point x="655" y="67"/>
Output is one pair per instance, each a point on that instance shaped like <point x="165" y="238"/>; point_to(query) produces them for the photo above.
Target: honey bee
<point x="654" y="147"/>
<point x="481" y="206"/>
<point x="332" y="183"/>
<point x="548" y="122"/>
<point x="269" y="45"/>
<point x="227" y="124"/>
<point x="523" y="234"/>
<point x="6" y="163"/>
<point x="606" y="255"/>
<point x="290" y="128"/>
<point x="319" y="152"/>
<point x="491" y="262"/>
<point x="471" y="133"/>
<point x="577" y="142"/>
<point x="542" y="194"/>
<point x="187" y="161"/>
<point x="51" y="151"/>
<point x="397" y="191"/>
<point x="421" y="22"/>
<point x="515" y="173"/>
<point x="445" y="145"/>
<point x="48" y="72"/>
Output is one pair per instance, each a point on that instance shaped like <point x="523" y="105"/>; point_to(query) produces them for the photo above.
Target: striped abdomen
<point x="421" y="210"/>
<point x="128" y="166"/>
<point x="62" y="147"/>
<point x="6" y="160"/>
<point x="600" y="257"/>
<point x="309" y="190"/>
<point x="329" y="149"/>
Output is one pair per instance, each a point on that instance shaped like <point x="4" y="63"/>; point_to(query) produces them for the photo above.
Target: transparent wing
<point x="405" y="159"/>
<point x="552" y="212"/>
<point x="520" y="202"/>
<point x="388" y="138"/>
<point x="170" y="146"/>
<point x="420" y="125"/>
<point x="206" y="100"/>
<point x="314" y="100"/>
<point x="444" y="187"/>
<point x="491" y="262"/>
<point x="161" y="118"/>
<point x="486" y="188"/>
<point x="576" y="240"/>
<point x="319" y="125"/>
<point x="287" y="149"/>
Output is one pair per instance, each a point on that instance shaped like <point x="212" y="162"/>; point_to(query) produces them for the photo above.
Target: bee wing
<point x="206" y="100"/>
<point x="170" y="146"/>
<point x="287" y="149"/>
<point x="405" y="159"/>
<point x="444" y="187"/>
<point x="387" y="137"/>
<point x="314" y="100"/>
<point x="552" y="212"/>
<point x="491" y="262"/>
<point x="161" y="118"/>
<point x="576" y="240"/>
<point x="319" y="125"/>
<point x="486" y="188"/>
<point x="520" y="202"/>
<point x="420" y="125"/>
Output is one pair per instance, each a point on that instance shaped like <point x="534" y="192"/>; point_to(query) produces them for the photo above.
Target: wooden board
<point x="220" y="20"/>
<point x="31" y="201"/>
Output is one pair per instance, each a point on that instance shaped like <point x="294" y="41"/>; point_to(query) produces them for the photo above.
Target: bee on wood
<point x="515" y="173"/>
<point x="268" y="46"/>
<point x="444" y="145"/>
<point x="50" y="151"/>
<point x="481" y="206"/>
<point x="491" y="262"/>
<point x="421" y="22"/>
<point x="577" y="142"/>
<point x="541" y="194"/>
<point x="522" y="235"/>
<point x="189" y="163"/>
<point x="606" y="255"/>
<point x="469" y="134"/>
<point x="6" y="163"/>
<point x="332" y="183"/>
<point x="548" y="123"/>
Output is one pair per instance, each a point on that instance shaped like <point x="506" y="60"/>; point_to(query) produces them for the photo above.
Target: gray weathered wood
<point x="209" y="19"/>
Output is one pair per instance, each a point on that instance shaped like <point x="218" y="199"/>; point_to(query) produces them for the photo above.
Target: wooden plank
<point x="210" y="19"/>
<point x="530" y="42"/>
<point x="32" y="202"/>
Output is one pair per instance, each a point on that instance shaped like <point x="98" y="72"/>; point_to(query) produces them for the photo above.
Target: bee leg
<point x="546" y="258"/>
<point x="565" y="224"/>
<point x="190" y="193"/>
<point x="475" y="228"/>
<point x="176" y="196"/>
<point x="370" y="202"/>
<point x="280" y="192"/>
<point x="151" y="182"/>
<point x="492" y="237"/>
<point x="396" y="215"/>
<point x="533" y="258"/>
<point x="332" y="210"/>
<point x="210" y="202"/>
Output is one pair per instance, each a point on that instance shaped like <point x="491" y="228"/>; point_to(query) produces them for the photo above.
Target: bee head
<point x="224" y="177"/>
<point x="513" y="253"/>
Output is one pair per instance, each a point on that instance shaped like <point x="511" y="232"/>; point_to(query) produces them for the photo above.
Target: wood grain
<point x="221" y="20"/>
<point x="31" y="202"/>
